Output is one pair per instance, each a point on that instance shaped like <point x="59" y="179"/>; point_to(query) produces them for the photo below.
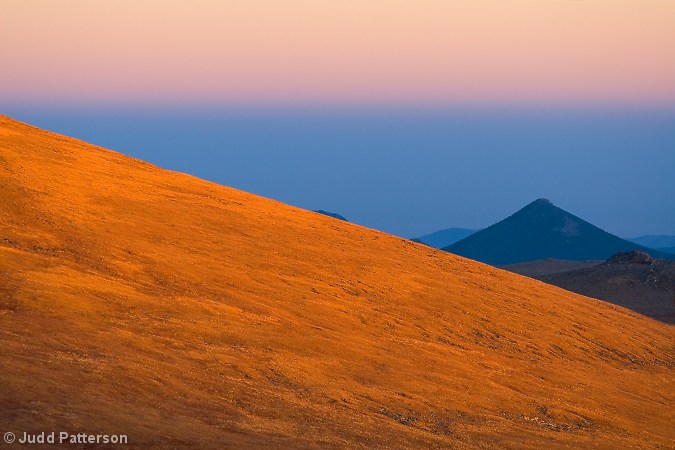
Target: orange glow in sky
<point x="433" y="52"/>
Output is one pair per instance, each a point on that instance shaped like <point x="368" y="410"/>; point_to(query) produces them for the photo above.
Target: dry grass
<point x="190" y="315"/>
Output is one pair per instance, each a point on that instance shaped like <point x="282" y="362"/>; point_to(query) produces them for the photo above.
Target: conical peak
<point x="541" y="202"/>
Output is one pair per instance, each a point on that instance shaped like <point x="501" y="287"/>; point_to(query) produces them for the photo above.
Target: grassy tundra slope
<point x="186" y="314"/>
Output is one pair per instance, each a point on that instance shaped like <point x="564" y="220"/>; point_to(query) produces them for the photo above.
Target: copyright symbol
<point x="9" y="437"/>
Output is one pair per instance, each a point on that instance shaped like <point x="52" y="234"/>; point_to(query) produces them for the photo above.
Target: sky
<point x="403" y="115"/>
<point x="349" y="52"/>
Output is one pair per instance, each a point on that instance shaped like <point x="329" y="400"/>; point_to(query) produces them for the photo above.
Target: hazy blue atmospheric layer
<point x="409" y="172"/>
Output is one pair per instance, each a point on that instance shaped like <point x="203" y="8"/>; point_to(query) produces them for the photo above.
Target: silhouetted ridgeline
<point x="331" y="214"/>
<point x="443" y="238"/>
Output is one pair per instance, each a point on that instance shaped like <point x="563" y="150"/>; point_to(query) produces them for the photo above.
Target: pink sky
<point x="427" y="52"/>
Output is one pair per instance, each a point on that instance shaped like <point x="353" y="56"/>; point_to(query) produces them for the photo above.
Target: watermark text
<point x="63" y="438"/>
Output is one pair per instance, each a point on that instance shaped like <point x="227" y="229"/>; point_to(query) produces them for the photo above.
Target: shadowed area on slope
<point x="633" y="280"/>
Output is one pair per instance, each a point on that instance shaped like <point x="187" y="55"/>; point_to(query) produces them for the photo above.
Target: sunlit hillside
<point x="185" y="314"/>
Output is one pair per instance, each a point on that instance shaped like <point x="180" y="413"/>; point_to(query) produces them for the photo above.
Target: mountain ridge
<point x="443" y="238"/>
<point x="660" y="242"/>
<point x="541" y="230"/>
<point x="332" y="214"/>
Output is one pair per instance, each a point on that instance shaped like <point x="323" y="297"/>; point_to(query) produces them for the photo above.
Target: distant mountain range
<point x="541" y="230"/>
<point x="443" y="238"/>
<point x="548" y="266"/>
<point x="331" y="214"/>
<point x="661" y="242"/>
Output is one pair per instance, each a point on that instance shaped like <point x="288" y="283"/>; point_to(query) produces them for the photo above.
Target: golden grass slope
<point x="185" y="314"/>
